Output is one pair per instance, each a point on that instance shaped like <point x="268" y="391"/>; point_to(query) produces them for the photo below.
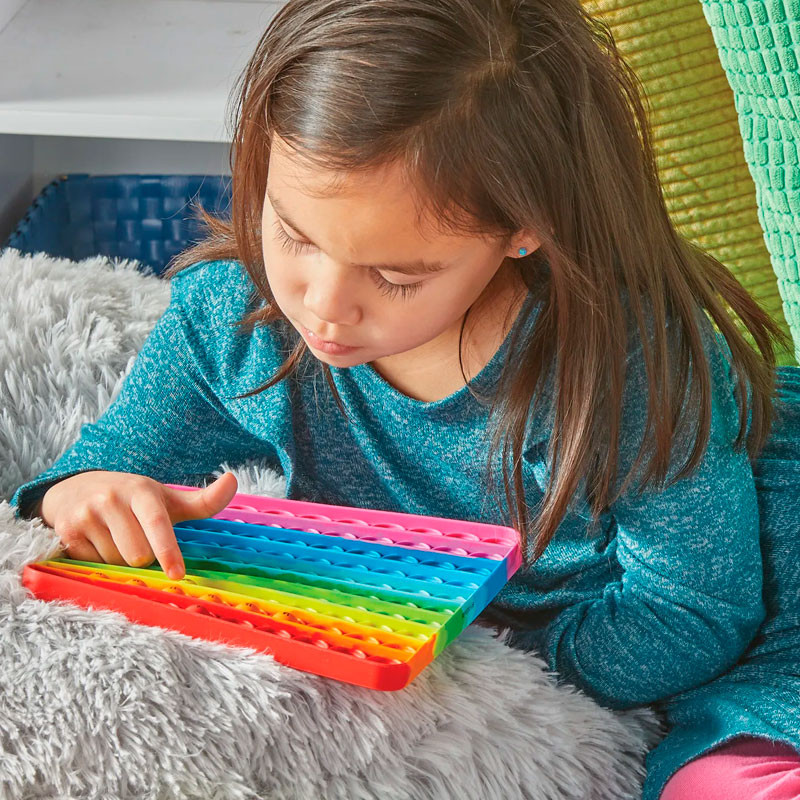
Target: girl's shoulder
<point x="213" y="295"/>
<point x="211" y="298"/>
<point x="211" y="282"/>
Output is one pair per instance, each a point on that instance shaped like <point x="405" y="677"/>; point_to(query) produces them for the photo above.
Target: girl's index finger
<point x="157" y="526"/>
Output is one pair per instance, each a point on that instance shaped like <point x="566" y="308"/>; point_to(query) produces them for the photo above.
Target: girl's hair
<point x="523" y="114"/>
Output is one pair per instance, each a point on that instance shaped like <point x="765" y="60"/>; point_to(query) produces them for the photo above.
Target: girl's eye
<point x="406" y="290"/>
<point x="296" y="247"/>
<point x="287" y="242"/>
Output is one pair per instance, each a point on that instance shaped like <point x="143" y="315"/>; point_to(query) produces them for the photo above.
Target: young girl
<point x="450" y="211"/>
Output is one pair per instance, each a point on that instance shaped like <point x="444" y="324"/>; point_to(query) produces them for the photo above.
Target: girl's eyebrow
<point x="414" y="268"/>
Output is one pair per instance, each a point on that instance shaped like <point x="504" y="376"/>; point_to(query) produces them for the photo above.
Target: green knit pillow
<point x="758" y="48"/>
<point x="718" y="195"/>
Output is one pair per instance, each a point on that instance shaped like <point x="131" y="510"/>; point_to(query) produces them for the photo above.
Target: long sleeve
<point x="166" y="422"/>
<point x="688" y="601"/>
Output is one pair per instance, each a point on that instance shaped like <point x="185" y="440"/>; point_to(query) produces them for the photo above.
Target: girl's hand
<point x="122" y="518"/>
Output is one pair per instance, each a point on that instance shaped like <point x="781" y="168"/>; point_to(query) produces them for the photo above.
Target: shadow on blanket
<point x="96" y="707"/>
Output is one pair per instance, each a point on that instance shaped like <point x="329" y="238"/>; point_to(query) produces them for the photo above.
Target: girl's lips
<point x="332" y="348"/>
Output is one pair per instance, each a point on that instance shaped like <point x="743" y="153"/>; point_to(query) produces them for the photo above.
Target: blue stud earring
<point x="523" y="251"/>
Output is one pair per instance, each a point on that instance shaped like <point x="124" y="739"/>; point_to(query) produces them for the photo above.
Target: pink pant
<point x="747" y="768"/>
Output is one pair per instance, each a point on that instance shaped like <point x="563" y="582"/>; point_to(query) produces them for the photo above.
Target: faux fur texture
<point x="93" y="706"/>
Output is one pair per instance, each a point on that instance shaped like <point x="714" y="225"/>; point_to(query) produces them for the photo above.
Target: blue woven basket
<point x="149" y="218"/>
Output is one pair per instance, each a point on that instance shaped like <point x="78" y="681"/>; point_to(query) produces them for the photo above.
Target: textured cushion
<point x="710" y="193"/>
<point x="758" y="47"/>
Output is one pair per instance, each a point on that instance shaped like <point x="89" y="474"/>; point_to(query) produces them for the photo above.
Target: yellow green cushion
<point x="707" y="174"/>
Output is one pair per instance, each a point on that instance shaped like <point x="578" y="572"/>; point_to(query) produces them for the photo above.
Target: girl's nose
<point x="331" y="294"/>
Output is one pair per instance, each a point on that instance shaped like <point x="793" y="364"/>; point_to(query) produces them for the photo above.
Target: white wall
<point x="16" y="156"/>
<point x="29" y="161"/>
<point x="57" y="155"/>
<point x="7" y="10"/>
<point x="16" y="185"/>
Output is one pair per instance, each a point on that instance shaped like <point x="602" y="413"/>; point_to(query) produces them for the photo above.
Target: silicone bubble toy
<point x="358" y="595"/>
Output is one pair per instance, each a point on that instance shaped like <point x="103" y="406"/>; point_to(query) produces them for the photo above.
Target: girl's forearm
<point x="689" y="600"/>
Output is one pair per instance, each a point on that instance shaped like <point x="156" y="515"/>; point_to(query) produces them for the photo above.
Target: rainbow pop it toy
<point x="359" y="595"/>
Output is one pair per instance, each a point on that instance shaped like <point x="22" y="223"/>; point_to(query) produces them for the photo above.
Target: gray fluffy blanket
<point x="93" y="706"/>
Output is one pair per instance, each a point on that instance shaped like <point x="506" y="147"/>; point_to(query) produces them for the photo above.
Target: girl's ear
<point x="523" y="244"/>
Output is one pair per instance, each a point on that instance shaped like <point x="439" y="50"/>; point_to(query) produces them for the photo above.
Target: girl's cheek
<point x="283" y="279"/>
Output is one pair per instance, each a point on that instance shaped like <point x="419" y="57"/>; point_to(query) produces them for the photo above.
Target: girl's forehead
<point x="298" y="189"/>
<point x="293" y="168"/>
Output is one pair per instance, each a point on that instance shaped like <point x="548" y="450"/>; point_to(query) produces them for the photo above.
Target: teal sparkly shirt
<point x="664" y="595"/>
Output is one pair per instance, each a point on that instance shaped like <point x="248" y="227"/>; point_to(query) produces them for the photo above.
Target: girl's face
<point x="348" y="267"/>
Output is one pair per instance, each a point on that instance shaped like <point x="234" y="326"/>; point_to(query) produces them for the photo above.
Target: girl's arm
<point x="166" y="422"/>
<point x="689" y="599"/>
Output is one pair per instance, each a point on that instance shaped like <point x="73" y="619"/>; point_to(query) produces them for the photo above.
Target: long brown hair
<point x="523" y="114"/>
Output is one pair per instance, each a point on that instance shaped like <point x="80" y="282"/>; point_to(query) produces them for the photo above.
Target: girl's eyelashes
<point x="287" y="242"/>
<point x="406" y="290"/>
<point x="388" y="288"/>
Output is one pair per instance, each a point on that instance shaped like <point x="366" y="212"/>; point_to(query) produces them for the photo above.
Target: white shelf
<point x="132" y="69"/>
